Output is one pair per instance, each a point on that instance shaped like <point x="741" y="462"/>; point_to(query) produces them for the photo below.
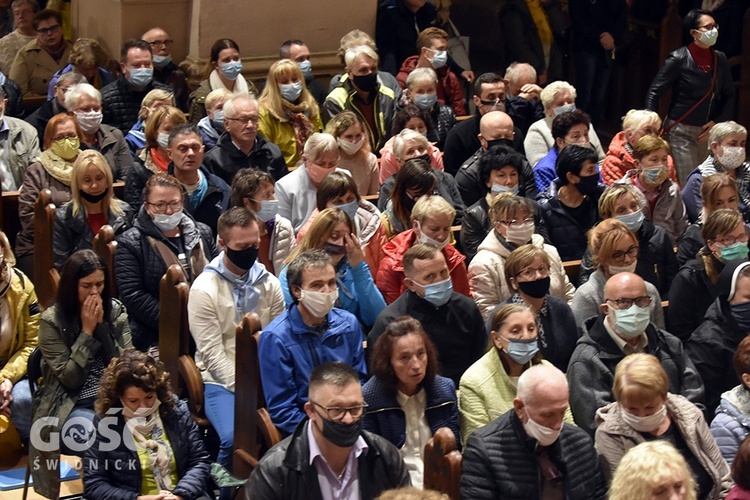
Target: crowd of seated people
<point x="560" y="309"/>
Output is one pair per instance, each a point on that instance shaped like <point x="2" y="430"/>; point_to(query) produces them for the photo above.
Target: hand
<point x="706" y="129"/>
<point x="468" y="75"/>
<point x="168" y="495"/>
<point x="160" y="496"/>
<point x="91" y="313"/>
<point x="5" y="397"/>
<point x="354" y="252"/>
<point x="606" y="40"/>
<point x="530" y="91"/>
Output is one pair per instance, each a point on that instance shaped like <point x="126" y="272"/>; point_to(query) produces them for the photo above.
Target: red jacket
<point x="618" y="161"/>
<point x="390" y="280"/>
<point x="448" y="89"/>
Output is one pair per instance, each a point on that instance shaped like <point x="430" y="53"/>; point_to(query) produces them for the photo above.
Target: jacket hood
<point x="397" y="247"/>
<point x="369" y="220"/>
<point x="736" y="404"/>
<point x="189" y="230"/>
<point x="617" y="148"/>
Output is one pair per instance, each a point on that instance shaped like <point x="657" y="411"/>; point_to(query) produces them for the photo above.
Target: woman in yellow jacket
<point x="19" y="327"/>
<point x="289" y="114"/>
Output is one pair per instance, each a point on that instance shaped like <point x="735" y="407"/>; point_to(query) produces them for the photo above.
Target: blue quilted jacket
<point x="732" y="422"/>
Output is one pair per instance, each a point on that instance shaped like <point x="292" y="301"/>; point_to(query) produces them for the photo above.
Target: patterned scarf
<point x="301" y="124"/>
<point x="148" y="433"/>
<point x="59" y="169"/>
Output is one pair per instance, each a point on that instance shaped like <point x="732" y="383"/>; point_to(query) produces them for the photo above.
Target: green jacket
<point x="68" y="355"/>
<point x="24" y="316"/>
<point x="23" y="147"/>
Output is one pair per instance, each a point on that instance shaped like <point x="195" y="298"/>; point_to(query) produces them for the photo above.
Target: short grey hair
<point x="536" y="376"/>
<point x="309" y="259"/>
<point x="75" y="93"/>
<point x="353" y="53"/>
<point x="70" y="78"/>
<point x="34" y="4"/>
<point x="721" y="130"/>
<point x="317" y="145"/>
<point x="405" y="137"/>
<point x="229" y="105"/>
<point x="550" y="91"/>
<point x="421" y="75"/>
<point x="516" y="69"/>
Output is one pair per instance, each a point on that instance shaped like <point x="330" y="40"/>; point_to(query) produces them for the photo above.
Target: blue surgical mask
<point x="161" y="61"/>
<point x="499" y="189"/>
<point x="439" y="59"/>
<point x="350" y="209"/>
<point x="291" y="91"/>
<point x="140" y="77"/>
<point x="631" y="322"/>
<point x="634" y="221"/>
<point x="219" y="118"/>
<point x="306" y="68"/>
<point x="268" y="210"/>
<point x="522" y="350"/>
<point x="564" y="109"/>
<point x="438" y="294"/>
<point x="737" y="250"/>
<point x="425" y="101"/>
<point x="231" y="70"/>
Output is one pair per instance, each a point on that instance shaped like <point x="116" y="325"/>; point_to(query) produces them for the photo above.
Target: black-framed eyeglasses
<point x="624" y="303"/>
<point x="160" y="43"/>
<point x="51" y="29"/>
<point x="708" y="27"/>
<point x="337" y="412"/>
<point x="631" y="252"/>
<point x="495" y="104"/>
<point x="161" y="207"/>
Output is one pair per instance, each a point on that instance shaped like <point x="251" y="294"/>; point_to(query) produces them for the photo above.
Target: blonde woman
<point x="212" y="126"/>
<point x="355" y="155"/>
<point x="92" y="206"/>
<point x="334" y="232"/>
<point x="645" y="411"/>
<point x="653" y="470"/>
<point x="289" y="114"/>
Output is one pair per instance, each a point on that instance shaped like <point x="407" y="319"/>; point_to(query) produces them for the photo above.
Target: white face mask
<point x="90" y="121"/>
<point x="543" y="435"/>
<point x="163" y="140"/>
<point x="167" y="222"/>
<point x="645" y="424"/>
<point x="623" y="269"/>
<point x="520" y="235"/>
<point x="319" y="304"/>
<point x="733" y="157"/>
<point x="423" y="238"/>
<point x="351" y="148"/>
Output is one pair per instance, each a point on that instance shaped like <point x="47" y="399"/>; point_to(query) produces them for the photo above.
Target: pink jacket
<point x="389" y="164"/>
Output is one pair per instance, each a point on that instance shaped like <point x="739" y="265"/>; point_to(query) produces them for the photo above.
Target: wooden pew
<point x="44" y="259"/>
<point x="174" y="334"/>
<point x="254" y="432"/>
<point x="743" y="86"/>
<point x="442" y="464"/>
<point x="104" y="245"/>
<point x="11" y="224"/>
<point x="573" y="270"/>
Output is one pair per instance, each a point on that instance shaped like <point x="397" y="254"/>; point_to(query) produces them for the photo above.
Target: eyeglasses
<point x="62" y="137"/>
<point x="631" y="252"/>
<point x="244" y="120"/>
<point x="516" y="222"/>
<point x="161" y="43"/>
<point x="728" y="240"/>
<point x="625" y="303"/>
<point x="708" y="27"/>
<point x="530" y="273"/>
<point x="337" y="413"/>
<point x="497" y="104"/>
<point x="161" y="207"/>
<point x="51" y="29"/>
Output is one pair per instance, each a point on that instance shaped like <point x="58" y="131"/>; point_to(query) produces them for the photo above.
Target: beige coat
<point x="487" y="274"/>
<point x="614" y="438"/>
<point x="33" y="68"/>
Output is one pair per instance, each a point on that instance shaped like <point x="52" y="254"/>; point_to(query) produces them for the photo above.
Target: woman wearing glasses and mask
<point x="614" y="249"/>
<point x="161" y="235"/>
<point x="408" y="401"/>
<point x="488" y="387"/>
<point x="646" y="411"/>
<point x="513" y="221"/>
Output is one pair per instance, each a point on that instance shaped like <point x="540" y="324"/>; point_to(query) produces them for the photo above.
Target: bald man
<point x="624" y="327"/>
<point x="495" y="129"/>
<point x="165" y="70"/>
<point x="499" y="460"/>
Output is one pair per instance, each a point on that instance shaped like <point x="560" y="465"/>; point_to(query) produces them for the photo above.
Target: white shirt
<point x="296" y="195"/>
<point x="418" y="432"/>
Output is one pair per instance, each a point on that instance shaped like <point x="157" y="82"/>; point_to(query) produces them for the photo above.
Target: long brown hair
<point x="320" y="231"/>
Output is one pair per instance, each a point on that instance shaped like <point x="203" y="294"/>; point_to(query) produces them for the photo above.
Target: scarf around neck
<point x="246" y="295"/>
<point x="148" y="433"/>
<point x="59" y="169"/>
<point x="240" y="85"/>
<point x="297" y="114"/>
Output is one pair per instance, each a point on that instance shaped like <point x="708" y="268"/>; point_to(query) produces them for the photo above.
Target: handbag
<point x="665" y="131"/>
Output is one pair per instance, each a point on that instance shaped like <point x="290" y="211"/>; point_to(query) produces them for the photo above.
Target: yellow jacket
<point x="282" y="134"/>
<point x="24" y="315"/>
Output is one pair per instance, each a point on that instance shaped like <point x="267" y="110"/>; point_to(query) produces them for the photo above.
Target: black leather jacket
<point x="689" y="84"/>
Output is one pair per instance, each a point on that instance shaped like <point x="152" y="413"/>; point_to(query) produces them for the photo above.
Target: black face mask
<point x="244" y="259"/>
<point x="536" y="289"/>
<point x="425" y="158"/>
<point x="334" y="249"/>
<point x="366" y="83"/>
<point x="588" y="185"/>
<point x="341" y="435"/>
<point x="408" y="203"/>
<point x="92" y="198"/>
<point x="500" y="142"/>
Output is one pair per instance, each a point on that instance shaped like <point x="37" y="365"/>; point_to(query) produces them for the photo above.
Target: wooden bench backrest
<point x="174" y="333"/>
<point x="44" y="259"/>
<point x="442" y="464"/>
<point x="104" y="245"/>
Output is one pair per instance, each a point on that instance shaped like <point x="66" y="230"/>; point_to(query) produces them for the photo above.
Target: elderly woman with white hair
<point x="557" y="97"/>
<point x="360" y="91"/>
<point x="727" y="153"/>
<point x="296" y="191"/>
<point x="421" y="90"/>
<point x="86" y="103"/>
<point x="637" y="123"/>
<point x="406" y="145"/>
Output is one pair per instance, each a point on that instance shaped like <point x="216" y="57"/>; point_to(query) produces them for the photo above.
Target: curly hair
<point x="134" y="369"/>
<point x="380" y="362"/>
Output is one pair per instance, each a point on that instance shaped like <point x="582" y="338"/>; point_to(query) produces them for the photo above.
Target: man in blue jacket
<point x="309" y="333"/>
